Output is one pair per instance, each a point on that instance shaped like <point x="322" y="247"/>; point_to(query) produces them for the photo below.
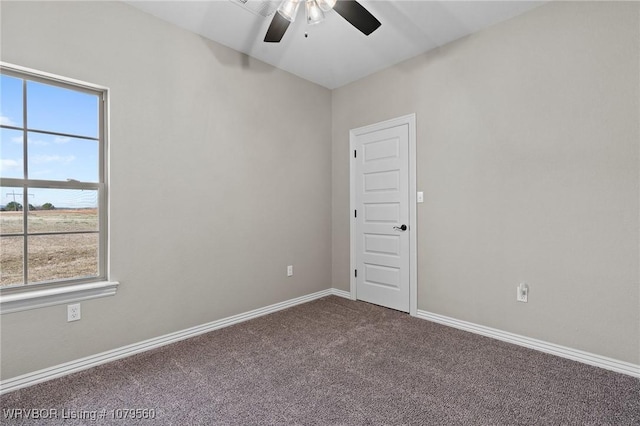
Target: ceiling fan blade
<point x="357" y="15"/>
<point x="277" y="29"/>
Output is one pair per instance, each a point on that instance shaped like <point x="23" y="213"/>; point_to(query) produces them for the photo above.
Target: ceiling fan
<point x="350" y="10"/>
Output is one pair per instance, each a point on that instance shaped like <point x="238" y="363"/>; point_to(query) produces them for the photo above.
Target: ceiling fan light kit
<point x="289" y="9"/>
<point x="326" y="5"/>
<point x="314" y="13"/>
<point x="350" y="10"/>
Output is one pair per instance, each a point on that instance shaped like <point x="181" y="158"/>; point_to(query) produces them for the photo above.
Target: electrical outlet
<point x="290" y="270"/>
<point x="73" y="312"/>
<point x="522" y="294"/>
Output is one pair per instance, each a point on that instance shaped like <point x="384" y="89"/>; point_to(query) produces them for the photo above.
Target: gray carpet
<point x="334" y="361"/>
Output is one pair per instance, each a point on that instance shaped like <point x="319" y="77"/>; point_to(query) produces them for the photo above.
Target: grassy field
<point x="50" y="257"/>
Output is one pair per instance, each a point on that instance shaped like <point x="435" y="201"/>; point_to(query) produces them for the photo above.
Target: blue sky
<point x="50" y="157"/>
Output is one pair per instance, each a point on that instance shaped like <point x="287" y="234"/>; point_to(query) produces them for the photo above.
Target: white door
<point x="382" y="243"/>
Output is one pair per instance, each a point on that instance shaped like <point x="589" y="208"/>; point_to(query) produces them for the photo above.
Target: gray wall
<point x="212" y="196"/>
<point x="527" y="140"/>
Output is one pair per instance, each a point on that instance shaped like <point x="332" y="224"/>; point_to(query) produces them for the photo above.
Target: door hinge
<point x="355" y="153"/>
<point x="356" y="273"/>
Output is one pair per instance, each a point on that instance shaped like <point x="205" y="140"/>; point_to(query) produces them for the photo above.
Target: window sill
<point x="40" y="298"/>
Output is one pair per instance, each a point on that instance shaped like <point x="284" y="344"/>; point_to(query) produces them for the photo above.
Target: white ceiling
<point x="335" y="53"/>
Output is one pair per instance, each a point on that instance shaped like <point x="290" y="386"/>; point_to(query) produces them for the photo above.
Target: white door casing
<point x="383" y="190"/>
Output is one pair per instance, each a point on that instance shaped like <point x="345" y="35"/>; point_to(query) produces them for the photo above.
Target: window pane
<point x="55" y="257"/>
<point x="61" y="110"/>
<point x="10" y="101"/>
<point x="63" y="210"/>
<point x="62" y="158"/>
<point x="11" y="153"/>
<point x="10" y="210"/>
<point x="11" y="222"/>
<point x="11" y="260"/>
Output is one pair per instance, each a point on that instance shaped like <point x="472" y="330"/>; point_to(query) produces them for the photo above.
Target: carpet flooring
<point x="338" y="362"/>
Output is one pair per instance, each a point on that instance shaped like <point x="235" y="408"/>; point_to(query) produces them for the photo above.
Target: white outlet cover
<point x="73" y="312"/>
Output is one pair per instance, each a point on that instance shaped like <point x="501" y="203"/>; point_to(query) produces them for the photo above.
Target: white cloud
<point x="6" y="121"/>
<point x="31" y="141"/>
<point x="9" y="164"/>
<point x="40" y="159"/>
<point x="61" y="139"/>
<point x="37" y="142"/>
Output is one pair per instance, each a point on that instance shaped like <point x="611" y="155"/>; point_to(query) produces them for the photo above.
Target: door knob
<point x="400" y="228"/>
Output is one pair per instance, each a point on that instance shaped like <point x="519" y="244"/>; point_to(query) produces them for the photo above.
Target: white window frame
<point x="31" y="296"/>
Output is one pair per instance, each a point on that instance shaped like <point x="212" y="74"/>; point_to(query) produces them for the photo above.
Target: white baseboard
<point x="50" y="373"/>
<point x="542" y="346"/>
<point x="60" y="370"/>
<point x="341" y="293"/>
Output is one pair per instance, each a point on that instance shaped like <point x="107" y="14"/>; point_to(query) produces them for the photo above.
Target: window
<point x="53" y="203"/>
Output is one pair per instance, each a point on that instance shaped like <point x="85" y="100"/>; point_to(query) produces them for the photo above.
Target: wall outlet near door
<point x="73" y="312"/>
<point x="522" y="294"/>
<point x="290" y="270"/>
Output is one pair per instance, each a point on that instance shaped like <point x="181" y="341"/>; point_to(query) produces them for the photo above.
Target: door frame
<point x="409" y="120"/>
